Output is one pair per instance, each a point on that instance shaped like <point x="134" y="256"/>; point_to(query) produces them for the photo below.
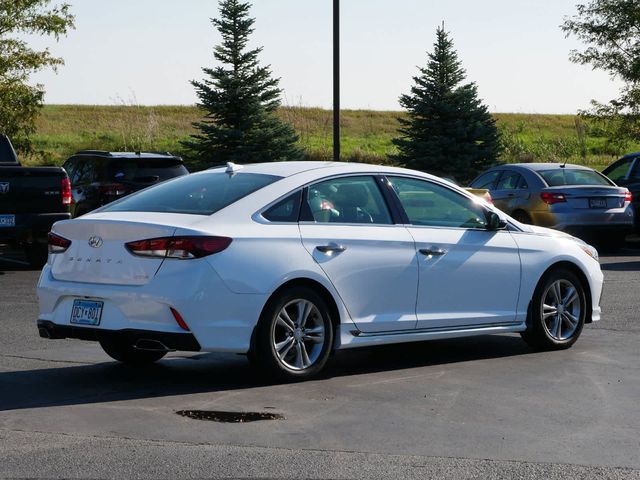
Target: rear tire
<point x="294" y="336"/>
<point x="125" y="353"/>
<point x="557" y="313"/>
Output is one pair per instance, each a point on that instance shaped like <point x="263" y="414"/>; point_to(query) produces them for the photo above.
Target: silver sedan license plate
<point x="598" y="202"/>
<point x="86" y="312"/>
<point x="7" y="221"/>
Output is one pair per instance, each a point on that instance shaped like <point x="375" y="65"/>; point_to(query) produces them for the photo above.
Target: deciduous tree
<point x="21" y="101"/>
<point x="611" y="31"/>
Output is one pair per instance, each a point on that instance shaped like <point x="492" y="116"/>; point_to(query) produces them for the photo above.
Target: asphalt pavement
<point x="486" y="407"/>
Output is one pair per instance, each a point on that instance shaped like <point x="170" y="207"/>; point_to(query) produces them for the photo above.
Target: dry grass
<point x="366" y="134"/>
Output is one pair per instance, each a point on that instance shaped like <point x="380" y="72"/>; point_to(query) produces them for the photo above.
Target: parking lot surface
<point x="485" y="407"/>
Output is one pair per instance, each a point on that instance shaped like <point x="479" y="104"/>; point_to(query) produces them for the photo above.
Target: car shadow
<point x="214" y="372"/>
<point x="621" y="266"/>
<point x="13" y="261"/>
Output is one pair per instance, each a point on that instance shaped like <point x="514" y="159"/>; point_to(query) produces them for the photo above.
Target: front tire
<point x="294" y="335"/>
<point x="125" y="353"/>
<point x="558" y="311"/>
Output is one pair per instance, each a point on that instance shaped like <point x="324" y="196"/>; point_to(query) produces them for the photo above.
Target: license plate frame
<point x="7" y="221"/>
<point x="597" y="203"/>
<point x="86" y="312"/>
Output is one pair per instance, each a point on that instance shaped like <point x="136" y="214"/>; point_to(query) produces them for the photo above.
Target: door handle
<point x="332" y="247"/>
<point x="436" y="252"/>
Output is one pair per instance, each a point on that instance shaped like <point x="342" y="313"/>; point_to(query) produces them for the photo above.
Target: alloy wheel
<point x="561" y="309"/>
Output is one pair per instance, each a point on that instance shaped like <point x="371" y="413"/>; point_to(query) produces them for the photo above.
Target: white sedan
<point x="286" y="262"/>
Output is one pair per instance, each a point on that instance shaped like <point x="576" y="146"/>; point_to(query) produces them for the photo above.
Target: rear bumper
<point x="171" y="341"/>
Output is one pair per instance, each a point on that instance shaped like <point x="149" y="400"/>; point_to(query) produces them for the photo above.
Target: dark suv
<point x="98" y="177"/>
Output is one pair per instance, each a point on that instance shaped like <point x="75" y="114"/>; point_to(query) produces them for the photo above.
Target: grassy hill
<point x="366" y="135"/>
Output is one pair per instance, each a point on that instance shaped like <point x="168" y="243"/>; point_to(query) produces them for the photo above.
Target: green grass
<point x="366" y="135"/>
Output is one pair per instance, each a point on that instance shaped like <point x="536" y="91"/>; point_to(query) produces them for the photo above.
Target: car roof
<point x="537" y="167"/>
<point x="125" y="155"/>
<point x="287" y="169"/>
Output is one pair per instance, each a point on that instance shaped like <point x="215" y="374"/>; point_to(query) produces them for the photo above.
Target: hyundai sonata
<point x="286" y="262"/>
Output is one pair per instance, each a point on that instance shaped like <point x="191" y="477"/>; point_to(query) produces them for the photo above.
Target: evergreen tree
<point x="240" y="99"/>
<point x="449" y="131"/>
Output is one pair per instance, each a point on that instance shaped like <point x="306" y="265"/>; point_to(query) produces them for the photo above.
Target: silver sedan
<point x="572" y="198"/>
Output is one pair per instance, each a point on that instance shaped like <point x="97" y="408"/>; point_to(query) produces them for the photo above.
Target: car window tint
<point x="200" y="194"/>
<point x="286" y="210"/>
<point x="69" y="167"/>
<point x="570" y="176"/>
<point x="144" y="170"/>
<point x="78" y="172"/>
<point x="508" y="181"/>
<point x="347" y="200"/>
<point x="618" y="171"/>
<point x="635" y="173"/>
<point x="430" y="204"/>
<point x="522" y="184"/>
<point x="486" y="180"/>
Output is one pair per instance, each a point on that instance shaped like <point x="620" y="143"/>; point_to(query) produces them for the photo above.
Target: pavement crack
<point x="48" y="360"/>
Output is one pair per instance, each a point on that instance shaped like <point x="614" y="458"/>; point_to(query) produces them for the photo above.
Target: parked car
<point x="98" y="177"/>
<point x="288" y="261"/>
<point x="571" y="198"/>
<point x="31" y="200"/>
<point x="626" y="173"/>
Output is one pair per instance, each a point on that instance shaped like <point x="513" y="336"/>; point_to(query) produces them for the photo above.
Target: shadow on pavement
<point x="87" y="384"/>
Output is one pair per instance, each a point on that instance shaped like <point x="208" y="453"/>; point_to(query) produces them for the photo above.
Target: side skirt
<point x="350" y="338"/>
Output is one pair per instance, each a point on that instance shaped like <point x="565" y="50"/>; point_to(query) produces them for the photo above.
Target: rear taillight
<point x="178" y="247"/>
<point x="65" y="191"/>
<point x="628" y="197"/>
<point x="551" y="198"/>
<point x="57" y="244"/>
<point x="113" y="189"/>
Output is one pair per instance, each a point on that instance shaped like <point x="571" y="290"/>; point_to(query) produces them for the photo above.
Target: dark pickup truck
<point x="31" y="201"/>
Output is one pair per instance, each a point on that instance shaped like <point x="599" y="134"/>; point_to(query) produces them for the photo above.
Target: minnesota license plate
<point x="598" y="202"/>
<point x="7" y="221"/>
<point x="86" y="312"/>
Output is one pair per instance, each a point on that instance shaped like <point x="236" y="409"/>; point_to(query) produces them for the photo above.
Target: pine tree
<point x="448" y="131"/>
<point x="240" y="99"/>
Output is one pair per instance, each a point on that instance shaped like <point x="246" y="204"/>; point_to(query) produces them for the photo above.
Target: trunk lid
<point x="98" y="254"/>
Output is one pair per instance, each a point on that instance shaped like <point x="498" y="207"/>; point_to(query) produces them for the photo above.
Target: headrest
<point x="352" y="195"/>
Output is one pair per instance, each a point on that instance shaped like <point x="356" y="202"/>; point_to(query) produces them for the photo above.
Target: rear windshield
<point x="199" y="194"/>
<point x="148" y="170"/>
<point x="569" y="176"/>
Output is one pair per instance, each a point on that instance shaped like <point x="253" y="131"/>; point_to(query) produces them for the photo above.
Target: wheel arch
<point x="318" y="287"/>
<point x="578" y="272"/>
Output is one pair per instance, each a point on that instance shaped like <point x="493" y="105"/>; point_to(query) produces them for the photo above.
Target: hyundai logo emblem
<point x="95" y="241"/>
<point x="4" y="187"/>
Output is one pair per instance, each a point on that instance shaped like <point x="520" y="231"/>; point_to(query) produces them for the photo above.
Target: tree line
<point x="448" y="129"/>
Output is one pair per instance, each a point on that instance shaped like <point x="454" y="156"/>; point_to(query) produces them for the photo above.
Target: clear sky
<point x="147" y="51"/>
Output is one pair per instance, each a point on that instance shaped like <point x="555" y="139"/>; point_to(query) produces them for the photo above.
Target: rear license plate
<point x="598" y="202"/>
<point x="7" y="221"/>
<point x="86" y="312"/>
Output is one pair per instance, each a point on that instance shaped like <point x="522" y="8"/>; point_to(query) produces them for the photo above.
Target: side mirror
<point x="494" y="222"/>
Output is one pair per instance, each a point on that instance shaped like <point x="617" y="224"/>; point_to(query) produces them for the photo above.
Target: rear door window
<point x="347" y="200"/>
<point x="487" y="180"/>
<point x="509" y="181"/>
<point x="286" y="210"/>
<point x="199" y="194"/>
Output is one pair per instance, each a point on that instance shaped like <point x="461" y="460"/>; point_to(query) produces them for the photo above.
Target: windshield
<point x="200" y="194"/>
<point x="569" y="176"/>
